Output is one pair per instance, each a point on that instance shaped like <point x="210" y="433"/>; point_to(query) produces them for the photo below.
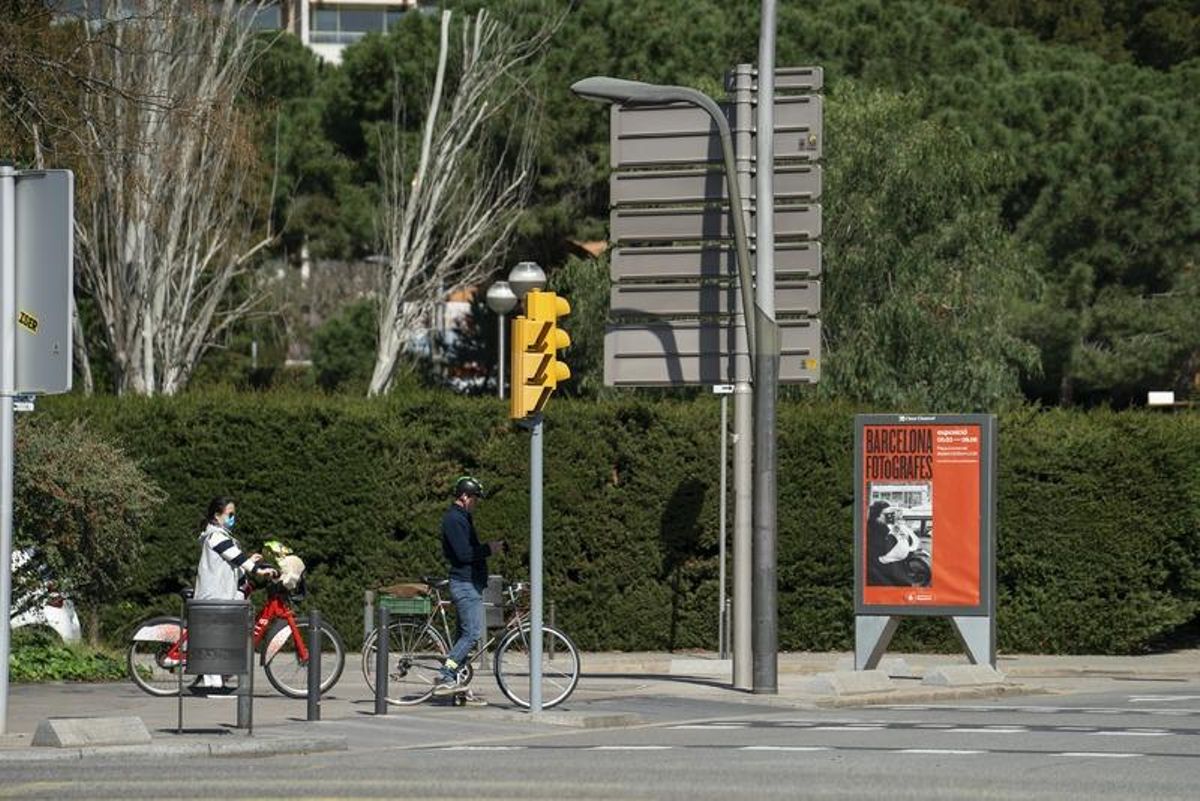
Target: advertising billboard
<point x="923" y="515"/>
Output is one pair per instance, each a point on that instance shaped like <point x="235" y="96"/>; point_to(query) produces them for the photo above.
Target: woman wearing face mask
<point x="222" y="564"/>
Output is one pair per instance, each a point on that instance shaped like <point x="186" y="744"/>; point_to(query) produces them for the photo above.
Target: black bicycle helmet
<point x="467" y="485"/>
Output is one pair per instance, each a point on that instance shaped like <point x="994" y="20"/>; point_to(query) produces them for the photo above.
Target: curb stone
<point x="249" y="746"/>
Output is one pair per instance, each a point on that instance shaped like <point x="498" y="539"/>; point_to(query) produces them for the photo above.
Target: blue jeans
<point x="468" y="603"/>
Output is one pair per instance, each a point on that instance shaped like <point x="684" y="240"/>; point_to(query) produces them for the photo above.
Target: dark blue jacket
<point x="464" y="552"/>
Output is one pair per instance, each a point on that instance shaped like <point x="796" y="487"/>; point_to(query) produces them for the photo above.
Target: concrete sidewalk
<point x="608" y="695"/>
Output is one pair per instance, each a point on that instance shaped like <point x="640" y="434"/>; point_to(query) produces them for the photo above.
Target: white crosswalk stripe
<point x="785" y="748"/>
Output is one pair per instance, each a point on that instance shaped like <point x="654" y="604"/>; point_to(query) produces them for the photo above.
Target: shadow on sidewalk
<point x="703" y="681"/>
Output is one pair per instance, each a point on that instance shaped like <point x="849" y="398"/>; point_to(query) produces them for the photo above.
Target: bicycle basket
<point x="418" y="605"/>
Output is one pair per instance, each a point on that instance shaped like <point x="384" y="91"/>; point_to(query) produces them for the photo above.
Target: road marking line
<point x="710" y="726"/>
<point x="484" y="748"/>
<point x="784" y="748"/>
<point x="1021" y="730"/>
<point x="939" y="751"/>
<point x="1107" y="754"/>
<point x="1133" y="733"/>
<point x="631" y="748"/>
<point x="1152" y="699"/>
<point x="851" y="727"/>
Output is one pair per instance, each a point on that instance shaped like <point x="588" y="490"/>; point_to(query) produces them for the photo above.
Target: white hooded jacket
<point x="222" y="564"/>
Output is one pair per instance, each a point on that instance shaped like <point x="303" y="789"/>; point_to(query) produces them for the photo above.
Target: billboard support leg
<point x="872" y="633"/>
<point x="978" y="636"/>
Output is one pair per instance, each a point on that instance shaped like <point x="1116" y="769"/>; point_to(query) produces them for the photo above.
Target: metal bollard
<point x="314" y="664"/>
<point x="245" y="695"/>
<point x="550" y="640"/>
<point x="183" y="656"/>
<point x="381" y="662"/>
<point x="728" y="611"/>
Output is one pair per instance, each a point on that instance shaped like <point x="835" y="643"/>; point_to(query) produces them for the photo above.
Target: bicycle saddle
<point x="437" y="582"/>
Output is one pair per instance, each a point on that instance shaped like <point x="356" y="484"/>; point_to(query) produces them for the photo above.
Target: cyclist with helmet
<point x="467" y="558"/>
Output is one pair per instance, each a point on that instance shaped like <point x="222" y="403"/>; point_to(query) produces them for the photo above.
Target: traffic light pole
<point x="535" y="566"/>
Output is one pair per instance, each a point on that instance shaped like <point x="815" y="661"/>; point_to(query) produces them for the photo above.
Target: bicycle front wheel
<point x="416" y="653"/>
<point x="153" y="659"/>
<point x="560" y="666"/>
<point x="288" y="674"/>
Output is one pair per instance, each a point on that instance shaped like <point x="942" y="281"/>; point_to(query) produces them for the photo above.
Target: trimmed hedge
<point x="1098" y="537"/>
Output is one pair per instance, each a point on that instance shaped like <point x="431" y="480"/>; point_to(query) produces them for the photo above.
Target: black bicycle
<point x="419" y="640"/>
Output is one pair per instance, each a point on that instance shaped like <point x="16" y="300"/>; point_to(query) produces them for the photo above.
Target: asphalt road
<point x="1136" y="740"/>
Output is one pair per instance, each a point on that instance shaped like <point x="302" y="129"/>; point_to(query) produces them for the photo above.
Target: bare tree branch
<point x="444" y="226"/>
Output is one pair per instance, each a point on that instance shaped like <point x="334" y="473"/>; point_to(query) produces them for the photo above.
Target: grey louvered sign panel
<point x="712" y="222"/>
<point x="690" y="353"/>
<point x="698" y="185"/>
<point x="682" y="134"/>
<point x="804" y="79"/>
<point x="689" y="300"/>
<point x="677" y="262"/>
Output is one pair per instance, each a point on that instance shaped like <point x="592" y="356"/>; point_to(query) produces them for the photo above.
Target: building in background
<point x="327" y="26"/>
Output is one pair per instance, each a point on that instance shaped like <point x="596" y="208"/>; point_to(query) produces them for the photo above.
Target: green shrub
<point x="81" y="504"/>
<point x="37" y="654"/>
<point x="1098" y="530"/>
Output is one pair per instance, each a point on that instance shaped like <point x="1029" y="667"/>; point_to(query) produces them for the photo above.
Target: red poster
<point x="920" y="515"/>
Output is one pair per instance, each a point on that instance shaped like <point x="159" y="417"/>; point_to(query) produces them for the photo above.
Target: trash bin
<point x="218" y="637"/>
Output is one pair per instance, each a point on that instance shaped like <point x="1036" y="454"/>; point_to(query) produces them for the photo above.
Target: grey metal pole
<point x="766" y="613"/>
<point x="381" y="662"/>
<point x="535" y="568"/>
<point x="314" y="664"/>
<point x="743" y="469"/>
<point x="721" y="570"/>
<point x="500" y="376"/>
<point x="743" y="435"/>
<point x="182" y="664"/>
<point x="8" y="382"/>
<point x="245" y="692"/>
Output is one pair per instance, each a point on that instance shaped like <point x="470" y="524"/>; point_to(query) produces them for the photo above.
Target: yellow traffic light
<point x="536" y="338"/>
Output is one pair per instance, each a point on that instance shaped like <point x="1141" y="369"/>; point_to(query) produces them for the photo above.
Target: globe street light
<point x="501" y="299"/>
<point x="525" y="276"/>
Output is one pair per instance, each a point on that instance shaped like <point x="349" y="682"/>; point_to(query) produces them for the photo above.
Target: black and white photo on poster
<point x="899" y="534"/>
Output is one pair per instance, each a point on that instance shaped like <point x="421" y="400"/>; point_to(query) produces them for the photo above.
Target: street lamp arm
<point x="637" y="93"/>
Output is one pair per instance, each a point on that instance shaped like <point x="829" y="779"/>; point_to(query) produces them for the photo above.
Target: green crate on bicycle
<point x="419" y="605"/>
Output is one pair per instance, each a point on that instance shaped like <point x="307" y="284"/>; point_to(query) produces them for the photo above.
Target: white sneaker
<point x="446" y="685"/>
<point x="471" y="699"/>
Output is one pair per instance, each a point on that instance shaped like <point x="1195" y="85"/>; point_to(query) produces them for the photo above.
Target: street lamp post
<point x="501" y="299"/>
<point x="762" y="336"/>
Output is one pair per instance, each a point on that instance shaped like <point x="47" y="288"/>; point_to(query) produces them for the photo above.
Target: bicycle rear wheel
<point x="289" y="675"/>
<point x="151" y="665"/>
<point x="416" y="653"/>
<point x="560" y="673"/>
